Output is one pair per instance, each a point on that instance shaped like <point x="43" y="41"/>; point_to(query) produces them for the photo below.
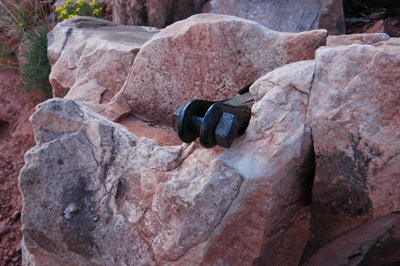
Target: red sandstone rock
<point x="381" y="27"/>
<point x="81" y="48"/>
<point x="354" y="116"/>
<point x="180" y="205"/>
<point x="207" y="56"/>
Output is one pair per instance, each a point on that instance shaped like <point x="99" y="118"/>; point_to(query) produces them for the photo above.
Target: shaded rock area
<point x="354" y="115"/>
<point x="285" y="16"/>
<point x="154" y="13"/>
<point x="313" y="181"/>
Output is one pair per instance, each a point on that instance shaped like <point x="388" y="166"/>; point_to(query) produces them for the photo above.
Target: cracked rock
<point x="112" y="198"/>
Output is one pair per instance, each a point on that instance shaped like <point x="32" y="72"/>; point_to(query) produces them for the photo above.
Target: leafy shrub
<point x="36" y="70"/>
<point x="80" y="8"/>
<point x="30" y="26"/>
<point x="17" y="20"/>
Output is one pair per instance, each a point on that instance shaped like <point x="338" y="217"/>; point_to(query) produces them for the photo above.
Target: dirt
<point x="16" y="137"/>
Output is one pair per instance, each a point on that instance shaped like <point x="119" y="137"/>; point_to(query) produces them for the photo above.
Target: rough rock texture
<point x="95" y="194"/>
<point x="207" y="56"/>
<point x="371" y="243"/>
<point x="154" y="13"/>
<point x="285" y="16"/>
<point x="370" y="38"/>
<point x="91" y="58"/>
<point x="354" y="116"/>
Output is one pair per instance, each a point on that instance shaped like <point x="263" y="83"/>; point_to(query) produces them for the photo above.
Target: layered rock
<point x="91" y="58"/>
<point x="115" y="199"/>
<point x="285" y="16"/>
<point x="207" y="56"/>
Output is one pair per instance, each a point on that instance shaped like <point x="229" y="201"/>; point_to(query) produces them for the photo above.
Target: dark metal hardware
<point x="216" y="123"/>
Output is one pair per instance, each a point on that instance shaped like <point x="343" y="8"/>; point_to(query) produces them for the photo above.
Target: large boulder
<point x="355" y="119"/>
<point x="91" y="58"/>
<point x="95" y="194"/>
<point x="285" y="16"/>
<point x="206" y="56"/>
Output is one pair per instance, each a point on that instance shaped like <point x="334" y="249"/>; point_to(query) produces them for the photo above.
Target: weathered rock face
<point x="91" y="58"/>
<point x="371" y="38"/>
<point x="354" y="115"/>
<point x="285" y="16"/>
<point x="113" y="199"/>
<point x="95" y="194"/>
<point x="154" y="13"/>
<point x="209" y="57"/>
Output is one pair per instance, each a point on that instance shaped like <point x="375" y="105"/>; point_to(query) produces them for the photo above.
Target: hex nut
<point x="226" y="130"/>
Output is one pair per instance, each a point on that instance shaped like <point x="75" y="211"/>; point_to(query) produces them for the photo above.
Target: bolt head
<point x="175" y="117"/>
<point x="226" y="130"/>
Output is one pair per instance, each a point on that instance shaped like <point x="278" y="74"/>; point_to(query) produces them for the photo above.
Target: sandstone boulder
<point x="94" y="54"/>
<point x="206" y="56"/>
<point x="354" y="116"/>
<point x="95" y="194"/>
<point x="285" y="16"/>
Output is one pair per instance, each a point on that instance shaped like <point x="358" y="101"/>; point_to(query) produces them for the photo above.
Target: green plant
<point x="80" y="8"/>
<point x="36" y="69"/>
<point x="30" y="26"/>
<point x="6" y="61"/>
<point x="17" y="19"/>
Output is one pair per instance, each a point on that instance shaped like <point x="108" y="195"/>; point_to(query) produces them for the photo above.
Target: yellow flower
<point x="80" y="2"/>
<point x="67" y="3"/>
<point x="72" y="15"/>
<point x="59" y="9"/>
<point x="20" y="24"/>
<point x="63" y="13"/>
<point x="96" y="12"/>
<point x="78" y="9"/>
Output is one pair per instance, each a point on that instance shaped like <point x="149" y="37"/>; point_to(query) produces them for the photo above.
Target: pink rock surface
<point x="94" y="53"/>
<point x="128" y="200"/>
<point x="354" y="119"/>
<point x="285" y="16"/>
<point x="209" y="57"/>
